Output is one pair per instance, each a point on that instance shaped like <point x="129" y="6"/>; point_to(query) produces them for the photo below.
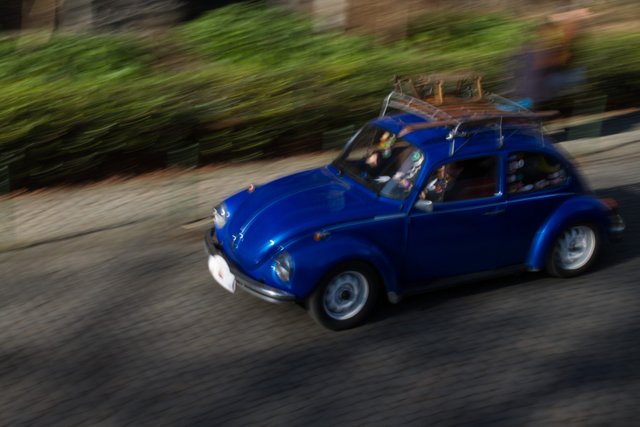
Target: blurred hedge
<point x="242" y="81"/>
<point x="612" y="65"/>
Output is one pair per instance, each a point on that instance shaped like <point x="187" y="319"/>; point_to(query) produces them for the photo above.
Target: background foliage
<point x="242" y="81"/>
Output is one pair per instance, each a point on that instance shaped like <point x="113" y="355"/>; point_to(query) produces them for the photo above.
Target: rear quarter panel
<point x="577" y="209"/>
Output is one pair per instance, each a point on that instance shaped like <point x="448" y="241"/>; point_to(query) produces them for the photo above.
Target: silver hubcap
<point x="576" y="247"/>
<point x="345" y="295"/>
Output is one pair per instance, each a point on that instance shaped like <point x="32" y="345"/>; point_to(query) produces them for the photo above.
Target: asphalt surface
<point x="120" y="324"/>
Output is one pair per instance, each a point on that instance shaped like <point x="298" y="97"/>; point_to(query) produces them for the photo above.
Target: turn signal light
<point x="610" y="203"/>
<point x="320" y="235"/>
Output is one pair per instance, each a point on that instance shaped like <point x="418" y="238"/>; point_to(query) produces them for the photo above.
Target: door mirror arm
<point x="424" y="205"/>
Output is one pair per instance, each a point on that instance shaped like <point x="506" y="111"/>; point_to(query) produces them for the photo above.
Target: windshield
<point x="382" y="162"/>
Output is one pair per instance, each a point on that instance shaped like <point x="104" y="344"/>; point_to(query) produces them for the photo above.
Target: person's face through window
<point x="385" y="137"/>
<point x="373" y="159"/>
<point x="384" y="144"/>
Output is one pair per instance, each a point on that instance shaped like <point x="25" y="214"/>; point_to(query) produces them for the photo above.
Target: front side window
<point x="527" y="172"/>
<point x="462" y="180"/>
<point x="384" y="163"/>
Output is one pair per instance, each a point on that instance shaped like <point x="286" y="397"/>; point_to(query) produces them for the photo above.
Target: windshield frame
<point x="403" y="162"/>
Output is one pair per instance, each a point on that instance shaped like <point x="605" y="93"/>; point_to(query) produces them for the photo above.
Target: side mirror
<point x="424" y="205"/>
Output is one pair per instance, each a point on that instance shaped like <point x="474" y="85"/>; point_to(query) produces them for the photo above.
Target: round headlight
<point x="283" y="266"/>
<point x="220" y="215"/>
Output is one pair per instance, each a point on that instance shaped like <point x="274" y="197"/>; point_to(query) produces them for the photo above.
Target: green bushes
<point x="612" y="65"/>
<point x="239" y="82"/>
<point x="61" y="131"/>
<point x="457" y="30"/>
<point x="73" y="57"/>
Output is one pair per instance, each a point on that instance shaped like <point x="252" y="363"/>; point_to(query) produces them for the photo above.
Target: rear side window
<point x="528" y="172"/>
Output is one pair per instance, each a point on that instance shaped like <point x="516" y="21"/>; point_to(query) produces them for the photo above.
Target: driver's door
<point x="462" y="232"/>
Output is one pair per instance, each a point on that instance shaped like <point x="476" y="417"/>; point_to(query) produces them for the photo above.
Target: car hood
<point x="301" y="203"/>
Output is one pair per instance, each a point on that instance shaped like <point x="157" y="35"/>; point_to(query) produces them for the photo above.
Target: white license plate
<point x="219" y="269"/>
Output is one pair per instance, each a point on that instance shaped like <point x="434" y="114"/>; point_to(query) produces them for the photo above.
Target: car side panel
<point x="577" y="209"/>
<point x="378" y="242"/>
<point x="456" y="238"/>
<point x="525" y="215"/>
<point x="528" y="212"/>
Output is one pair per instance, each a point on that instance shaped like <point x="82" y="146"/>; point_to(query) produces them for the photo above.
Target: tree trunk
<point x="39" y="19"/>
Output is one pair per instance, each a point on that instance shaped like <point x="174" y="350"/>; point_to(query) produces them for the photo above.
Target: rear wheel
<point x="574" y="250"/>
<point x="345" y="297"/>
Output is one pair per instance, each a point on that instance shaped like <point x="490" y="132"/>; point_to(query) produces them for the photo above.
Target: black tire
<point x="574" y="250"/>
<point x="345" y="296"/>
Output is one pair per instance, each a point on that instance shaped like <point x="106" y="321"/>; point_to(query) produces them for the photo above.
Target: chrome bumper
<point x="617" y="227"/>
<point x="247" y="283"/>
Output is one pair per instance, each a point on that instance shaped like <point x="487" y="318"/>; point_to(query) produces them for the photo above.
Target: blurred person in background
<point x="544" y="70"/>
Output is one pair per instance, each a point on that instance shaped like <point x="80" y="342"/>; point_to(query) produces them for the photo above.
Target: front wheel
<point x="345" y="297"/>
<point x="574" y="250"/>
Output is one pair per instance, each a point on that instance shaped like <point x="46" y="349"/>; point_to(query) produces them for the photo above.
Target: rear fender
<point x="581" y="209"/>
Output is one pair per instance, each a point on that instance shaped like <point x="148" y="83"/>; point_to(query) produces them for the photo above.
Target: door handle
<point x="494" y="212"/>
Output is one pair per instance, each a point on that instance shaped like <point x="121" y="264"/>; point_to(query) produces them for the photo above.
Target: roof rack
<point x="466" y="104"/>
<point x="414" y="105"/>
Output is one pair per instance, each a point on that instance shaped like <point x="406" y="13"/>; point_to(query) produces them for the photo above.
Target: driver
<point x="436" y="186"/>
<point x="375" y="161"/>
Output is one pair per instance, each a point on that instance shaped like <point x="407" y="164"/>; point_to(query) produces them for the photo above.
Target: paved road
<point x="124" y="327"/>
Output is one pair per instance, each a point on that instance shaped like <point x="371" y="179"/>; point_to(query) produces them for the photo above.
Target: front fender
<point x="313" y="259"/>
<point x="580" y="209"/>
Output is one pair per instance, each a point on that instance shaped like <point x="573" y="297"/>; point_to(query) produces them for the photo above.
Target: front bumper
<point x="250" y="285"/>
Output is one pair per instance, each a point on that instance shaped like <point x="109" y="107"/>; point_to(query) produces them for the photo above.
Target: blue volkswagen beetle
<point x="427" y="194"/>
